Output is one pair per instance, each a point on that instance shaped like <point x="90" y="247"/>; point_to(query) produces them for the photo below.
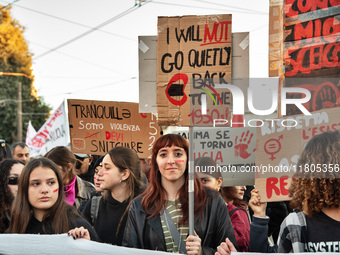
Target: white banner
<point x="53" y="133"/>
<point x="61" y="244"/>
<point x="18" y="244"/>
<point x="31" y="132"/>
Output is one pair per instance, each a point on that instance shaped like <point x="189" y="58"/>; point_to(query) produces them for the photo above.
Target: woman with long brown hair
<point x="158" y="219"/>
<point x="40" y="208"/>
<point x="121" y="181"/>
<point x="232" y="196"/>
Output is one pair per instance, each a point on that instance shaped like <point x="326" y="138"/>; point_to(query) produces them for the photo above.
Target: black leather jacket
<point x="215" y="227"/>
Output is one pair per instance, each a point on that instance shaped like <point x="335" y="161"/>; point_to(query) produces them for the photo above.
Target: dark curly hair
<point x="6" y="197"/>
<point x="316" y="184"/>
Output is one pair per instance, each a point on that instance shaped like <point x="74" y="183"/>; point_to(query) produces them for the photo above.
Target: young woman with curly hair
<point x="315" y="192"/>
<point x="166" y="200"/>
<point x="10" y="170"/>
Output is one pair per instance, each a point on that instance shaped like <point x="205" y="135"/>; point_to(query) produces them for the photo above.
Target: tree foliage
<point x="15" y="67"/>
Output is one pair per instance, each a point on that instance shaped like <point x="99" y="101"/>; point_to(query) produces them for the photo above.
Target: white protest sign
<point x="53" y="133"/>
<point x="233" y="149"/>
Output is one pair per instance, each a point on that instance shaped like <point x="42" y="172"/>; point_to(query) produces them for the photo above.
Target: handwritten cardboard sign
<point x="148" y="72"/>
<point x="311" y="42"/>
<point x="233" y="149"/>
<point x="279" y="145"/>
<point x="304" y="41"/>
<point x="275" y="56"/>
<point x="98" y="126"/>
<point x="190" y="50"/>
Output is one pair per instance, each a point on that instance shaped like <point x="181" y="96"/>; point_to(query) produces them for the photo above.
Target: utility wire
<point x="90" y="31"/>
<point x="72" y="22"/>
<point x="204" y="8"/>
<point x="8" y="4"/>
<point x="229" y="6"/>
<point x="90" y="88"/>
<point x="80" y="59"/>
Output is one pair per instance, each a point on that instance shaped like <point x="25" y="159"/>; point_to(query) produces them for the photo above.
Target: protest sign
<point x="148" y="63"/>
<point x="147" y="56"/>
<point x="191" y="50"/>
<point x="279" y="145"/>
<point x="233" y="149"/>
<point x="311" y="43"/>
<point x="275" y="60"/>
<point x="53" y="133"/>
<point x="98" y="126"/>
<point x="304" y="41"/>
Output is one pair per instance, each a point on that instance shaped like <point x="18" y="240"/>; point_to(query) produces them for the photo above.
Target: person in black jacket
<point x="120" y="178"/>
<point x="40" y="208"/>
<point x="147" y="226"/>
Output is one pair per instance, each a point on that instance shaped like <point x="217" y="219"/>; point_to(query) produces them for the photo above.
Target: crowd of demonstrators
<point x="121" y="180"/>
<point x="42" y="195"/>
<point x="316" y="194"/>
<point x="20" y="151"/>
<point x="238" y="215"/>
<point x="314" y="225"/>
<point x="10" y="170"/>
<point x="40" y="208"/>
<point x="76" y="190"/>
<point x="161" y="212"/>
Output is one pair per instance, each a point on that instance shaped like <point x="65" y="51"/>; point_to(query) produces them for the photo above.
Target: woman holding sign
<point x="40" y="208"/>
<point x="158" y="219"/>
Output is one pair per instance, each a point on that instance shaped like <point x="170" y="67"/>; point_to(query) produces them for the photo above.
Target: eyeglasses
<point x="13" y="180"/>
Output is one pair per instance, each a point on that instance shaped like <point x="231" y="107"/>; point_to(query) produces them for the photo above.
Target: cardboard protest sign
<point x="304" y="41"/>
<point x="311" y="42"/>
<point x="233" y="149"/>
<point x="278" y="147"/>
<point x="311" y="47"/>
<point x="148" y="62"/>
<point x="98" y="126"/>
<point x="275" y="60"/>
<point x="147" y="55"/>
<point x="191" y="50"/>
<point x="53" y="133"/>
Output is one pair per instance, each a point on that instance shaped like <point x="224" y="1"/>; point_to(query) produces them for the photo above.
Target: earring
<point x="120" y="182"/>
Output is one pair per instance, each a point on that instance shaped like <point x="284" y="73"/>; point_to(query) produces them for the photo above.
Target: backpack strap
<point x="95" y="201"/>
